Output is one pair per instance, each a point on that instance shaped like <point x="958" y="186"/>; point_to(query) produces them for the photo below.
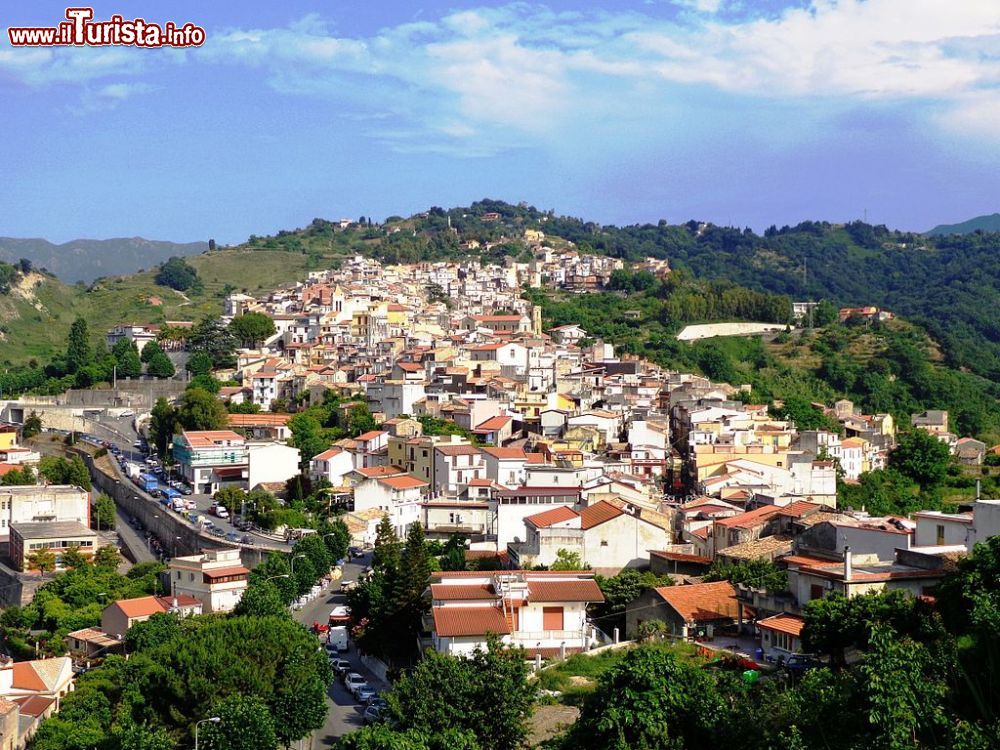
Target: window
<point x="940" y="534"/>
<point x="178" y="575"/>
<point x="552" y="618"/>
<point x="604" y="542"/>
<point x="816" y="591"/>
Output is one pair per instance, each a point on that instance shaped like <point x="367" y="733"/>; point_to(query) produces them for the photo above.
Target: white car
<point x="221" y="512"/>
<point x="353" y="681"/>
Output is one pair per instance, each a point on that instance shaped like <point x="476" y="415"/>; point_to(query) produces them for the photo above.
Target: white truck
<point x="337" y="636"/>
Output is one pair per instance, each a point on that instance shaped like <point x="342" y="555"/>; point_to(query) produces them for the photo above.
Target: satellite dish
<point x="517" y="540"/>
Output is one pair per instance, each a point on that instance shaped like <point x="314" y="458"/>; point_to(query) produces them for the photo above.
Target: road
<point x="122" y="433"/>
<point x="344" y="715"/>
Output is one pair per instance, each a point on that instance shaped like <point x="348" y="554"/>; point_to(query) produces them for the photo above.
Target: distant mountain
<point x="990" y="223"/>
<point x="86" y="260"/>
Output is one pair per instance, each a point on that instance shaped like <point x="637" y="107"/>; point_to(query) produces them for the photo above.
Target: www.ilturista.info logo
<point x="79" y="30"/>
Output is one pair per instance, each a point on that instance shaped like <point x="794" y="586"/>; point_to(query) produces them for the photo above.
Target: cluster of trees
<point x="618" y="591"/>
<point x="178" y="274"/>
<point x="197" y="409"/>
<point x="74" y="599"/>
<point x="480" y="702"/>
<point x="316" y="427"/>
<point x="387" y="607"/>
<point x="262" y="676"/>
<point x="54" y="469"/>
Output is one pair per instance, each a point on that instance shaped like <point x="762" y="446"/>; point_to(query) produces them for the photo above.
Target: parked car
<point x="232" y="536"/>
<point x="219" y="511"/>
<point x="341" y="667"/>
<point x="372" y="715"/>
<point x="346" y="586"/>
<point x="352" y="681"/>
<point x="378" y="702"/>
<point x="185" y="490"/>
<point x="365" y="693"/>
<point x="247" y="539"/>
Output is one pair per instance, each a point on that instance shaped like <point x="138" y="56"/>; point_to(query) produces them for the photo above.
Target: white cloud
<point x="492" y="77"/>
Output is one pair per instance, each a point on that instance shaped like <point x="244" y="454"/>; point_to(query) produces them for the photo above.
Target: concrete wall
<point x="164" y="524"/>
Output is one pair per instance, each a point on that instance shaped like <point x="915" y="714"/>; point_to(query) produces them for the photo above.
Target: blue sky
<point x="733" y="111"/>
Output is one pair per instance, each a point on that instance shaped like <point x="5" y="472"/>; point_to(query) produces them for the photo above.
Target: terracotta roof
<point x="549" y="517"/>
<point x="579" y="590"/>
<point x="327" y="454"/>
<point x="403" y="482"/>
<point x="143" y="606"/>
<point x="371" y="435"/>
<point x="701" y="601"/>
<point x="457" y="450"/>
<point x="210" y="438"/>
<point x="494" y="423"/>
<point x="598" y="513"/>
<point x="783" y="623"/>
<point x="222" y="572"/>
<point x="459" y="621"/>
<point x="681" y="557"/>
<point x="503" y="453"/>
<point x="25" y="677"/>
<point x="252" y="420"/>
<point x="380" y="471"/>
<point x="34" y="705"/>
<point x="451" y="592"/>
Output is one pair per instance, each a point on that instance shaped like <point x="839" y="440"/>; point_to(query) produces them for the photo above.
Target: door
<point x="552" y="618"/>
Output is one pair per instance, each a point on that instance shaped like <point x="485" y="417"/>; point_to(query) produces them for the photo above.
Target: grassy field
<point x="36" y="317"/>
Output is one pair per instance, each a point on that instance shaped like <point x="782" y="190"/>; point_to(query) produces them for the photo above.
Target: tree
<point x="408" y="604"/>
<point x="24" y="477"/>
<point x="104" y="512"/>
<point x="162" y="424"/>
<point x="487" y="693"/>
<point x="127" y="358"/>
<point x="387" y="547"/>
<point x="650" y="700"/>
<point x="246" y="724"/>
<point x="42" y="560"/>
<point x="921" y="457"/>
<point x="108" y="557"/>
<point x="72" y="558"/>
<point x="206" y="382"/>
<point x="200" y="410"/>
<point x="337" y="537"/>
<point x="78" y="351"/>
<point x="150" y="350"/>
<point x="160" y="366"/>
<point x="261" y="600"/>
<point x="199" y="363"/>
<point x="566" y="560"/>
<point x="58" y="470"/>
<point x="150" y="634"/>
<point x="759" y="573"/>
<point x="210" y="337"/>
<point x="252" y="329"/>
<point x="178" y="274"/>
<point x="32" y="425"/>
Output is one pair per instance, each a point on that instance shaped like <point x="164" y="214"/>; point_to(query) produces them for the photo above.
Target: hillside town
<point x="549" y="460"/>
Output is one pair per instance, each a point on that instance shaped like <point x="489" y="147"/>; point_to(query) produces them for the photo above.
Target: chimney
<point x="848" y="566"/>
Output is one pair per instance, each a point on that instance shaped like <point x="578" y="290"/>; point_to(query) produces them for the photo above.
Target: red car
<point x="319" y="628"/>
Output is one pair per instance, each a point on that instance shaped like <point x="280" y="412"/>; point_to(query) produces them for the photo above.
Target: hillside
<point x="988" y="223"/>
<point x="86" y="260"/>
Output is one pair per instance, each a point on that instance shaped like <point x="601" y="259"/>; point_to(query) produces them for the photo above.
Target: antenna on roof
<point x="978" y="483"/>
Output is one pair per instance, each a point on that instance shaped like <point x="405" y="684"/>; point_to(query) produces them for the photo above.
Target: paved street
<point x="344" y="715"/>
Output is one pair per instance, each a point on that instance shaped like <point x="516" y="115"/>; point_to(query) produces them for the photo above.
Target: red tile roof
<point x="26" y="678"/>
<point x="459" y="621"/>
<point x="143" y="606"/>
<point x="494" y="423"/>
<point x="598" y="513"/>
<point x="549" y="517"/>
<point x="579" y="590"/>
<point x="502" y="453"/>
<point x="451" y="591"/>
<point x="701" y="601"/>
<point x="371" y="435"/>
<point x="681" y="557"/>
<point x="222" y="572"/>
<point x="784" y="623"/>
<point x="404" y="482"/>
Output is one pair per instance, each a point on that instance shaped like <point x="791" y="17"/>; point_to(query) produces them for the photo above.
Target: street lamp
<point x="280" y="575"/>
<point x="176" y="539"/>
<point x="212" y="719"/>
<point x="296" y="557"/>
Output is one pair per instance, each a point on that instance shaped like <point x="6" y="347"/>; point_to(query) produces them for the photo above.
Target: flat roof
<point x="52" y="529"/>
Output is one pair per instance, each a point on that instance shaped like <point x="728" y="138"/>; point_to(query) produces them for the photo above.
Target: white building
<point x="216" y="578"/>
<point x="38" y="504"/>
<point x="545" y="612"/>
<point x="399" y="497"/>
<point x="455" y="466"/>
<point x="271" y="462"/>
<point x="333" y="465"/>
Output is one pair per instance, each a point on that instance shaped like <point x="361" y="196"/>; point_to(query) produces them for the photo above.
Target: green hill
<point x="989" y="223"/>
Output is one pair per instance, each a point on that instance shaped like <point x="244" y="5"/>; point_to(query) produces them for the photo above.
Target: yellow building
<point x="8" y="436"/>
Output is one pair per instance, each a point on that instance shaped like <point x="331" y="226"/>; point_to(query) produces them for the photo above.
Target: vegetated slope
<point x="86" y="260"/>
<point x="986" y="223"/>
<point x="35" y="328"/>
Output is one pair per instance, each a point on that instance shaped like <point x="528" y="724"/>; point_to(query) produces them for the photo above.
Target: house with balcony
<point x="400" y="497"/>
<point x="333" y="465"/>
<point x="211" y="459"/>
<point x="455" y="466"/>
<point x="544" y="612"/>
<point x="216" y="578"/>
<point x="121" y="615"/>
